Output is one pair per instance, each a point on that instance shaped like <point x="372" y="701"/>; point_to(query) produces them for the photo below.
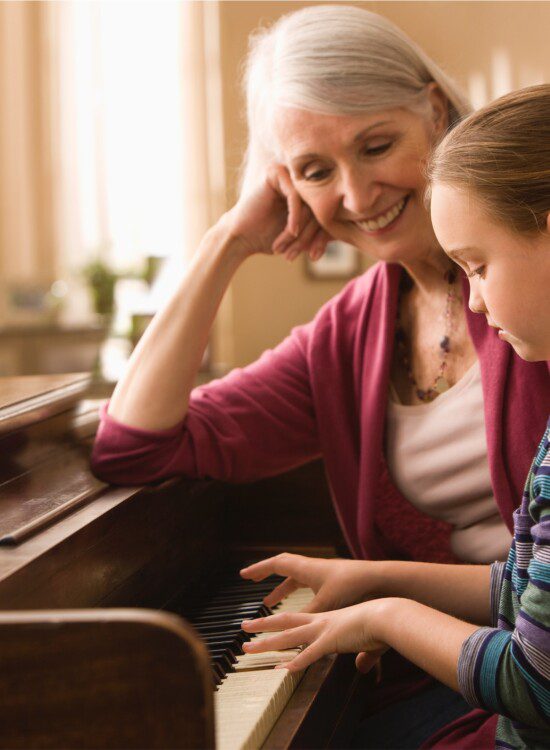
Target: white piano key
<point x="250" y="700"/>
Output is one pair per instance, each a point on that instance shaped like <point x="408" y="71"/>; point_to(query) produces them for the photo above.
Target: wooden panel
<point x="324" y="708"/>
<point x="133" y="679"/>
<point x="291" y="510"/>
<point x="130" y="546"/>
<point x="33" y="500"/>
<point x="26" y="400"/>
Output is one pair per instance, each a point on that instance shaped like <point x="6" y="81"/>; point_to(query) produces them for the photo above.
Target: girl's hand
<point x="274" y="219"/>
<point x="350" y="630"/>
<point x="336" y="583"/>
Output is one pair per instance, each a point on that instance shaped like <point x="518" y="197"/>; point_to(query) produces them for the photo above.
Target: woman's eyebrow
<point x="364" y="132"/>
<point x="358" y="137"/>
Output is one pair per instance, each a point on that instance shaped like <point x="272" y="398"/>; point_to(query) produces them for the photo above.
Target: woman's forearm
<point x="459" y="590"/>
<point x="154" y="392"/>
<point x="430" y="639"/>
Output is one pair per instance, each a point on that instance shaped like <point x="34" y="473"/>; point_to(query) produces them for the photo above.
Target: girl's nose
<point x="476" y="303"/>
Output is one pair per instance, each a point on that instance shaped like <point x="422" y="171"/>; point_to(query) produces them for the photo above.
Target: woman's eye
<point x="375" y="150"/>
<point x="316" y="175"/>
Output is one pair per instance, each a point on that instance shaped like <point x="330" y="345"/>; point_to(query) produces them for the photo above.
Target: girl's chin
<point x="524" y="349"/>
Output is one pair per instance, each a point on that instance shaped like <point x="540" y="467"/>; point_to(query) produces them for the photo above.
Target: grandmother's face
<point x="362" y="175"/>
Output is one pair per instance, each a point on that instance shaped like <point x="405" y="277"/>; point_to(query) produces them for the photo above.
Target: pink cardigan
<point x="323" y="392"/>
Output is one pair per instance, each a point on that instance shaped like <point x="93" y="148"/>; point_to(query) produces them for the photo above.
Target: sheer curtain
<point x="139" y="94"/>
<point x="28" y="169"/>
<point x="110" y="140"/>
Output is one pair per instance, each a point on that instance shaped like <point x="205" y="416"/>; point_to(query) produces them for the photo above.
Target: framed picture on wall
<point x="340" y="261"/>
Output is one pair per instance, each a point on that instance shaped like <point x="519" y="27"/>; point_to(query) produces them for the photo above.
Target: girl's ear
<point x="440" y="107"/>
<point x="548" y="223"/>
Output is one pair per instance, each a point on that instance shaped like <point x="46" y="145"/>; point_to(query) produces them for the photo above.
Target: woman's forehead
<point x="301" y="132"/>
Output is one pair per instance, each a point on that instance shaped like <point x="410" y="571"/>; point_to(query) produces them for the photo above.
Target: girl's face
<point x="362" y="175"/>
<point x="509" y="273"/>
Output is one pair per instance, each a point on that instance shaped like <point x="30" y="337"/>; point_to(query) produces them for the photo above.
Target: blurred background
<point x="121" y="134"/>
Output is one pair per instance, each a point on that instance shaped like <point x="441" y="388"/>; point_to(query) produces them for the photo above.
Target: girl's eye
<point x="479" y="271"/>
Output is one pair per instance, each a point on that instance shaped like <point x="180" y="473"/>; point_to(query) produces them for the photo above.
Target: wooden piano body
<point x="90" y="654"/>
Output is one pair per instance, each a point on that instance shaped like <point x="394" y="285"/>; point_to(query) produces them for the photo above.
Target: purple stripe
<point x="520" y="656"/>
<point x="541" y="532"/>
<point x="535" y="633"/>
<point x="539" y="625"/>
<point x="504" y="623"/>
<point x="540" y="585"/>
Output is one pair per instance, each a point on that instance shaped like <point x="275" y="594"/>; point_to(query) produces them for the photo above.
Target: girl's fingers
<point x="288" y="586"/>
<point x="276" y="622"/>
<point x="291" y="638"/>
<point x="317" y="604"/>
<point x="283" y="565"/>
<point x="366" y="660"/>
<point x="309" y="655"/>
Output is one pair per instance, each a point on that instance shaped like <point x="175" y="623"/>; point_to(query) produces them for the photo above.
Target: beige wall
<point x="489" y="47"/>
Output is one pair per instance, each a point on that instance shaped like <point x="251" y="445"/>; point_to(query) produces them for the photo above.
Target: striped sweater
<point x="506" y="669"/>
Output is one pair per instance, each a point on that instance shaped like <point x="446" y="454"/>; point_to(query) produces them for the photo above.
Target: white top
<point x="437" y="457"/>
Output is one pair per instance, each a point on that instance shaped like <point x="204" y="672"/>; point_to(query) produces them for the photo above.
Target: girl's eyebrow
<point x="457" y="252"/>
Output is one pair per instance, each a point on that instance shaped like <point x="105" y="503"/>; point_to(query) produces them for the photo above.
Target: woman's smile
<point x="385" y="221"/>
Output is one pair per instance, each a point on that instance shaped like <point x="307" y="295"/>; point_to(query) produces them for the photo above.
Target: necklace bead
<point x="440" y="383"/>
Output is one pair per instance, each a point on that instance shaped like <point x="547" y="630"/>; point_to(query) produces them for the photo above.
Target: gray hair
<point x="333" y="59"/>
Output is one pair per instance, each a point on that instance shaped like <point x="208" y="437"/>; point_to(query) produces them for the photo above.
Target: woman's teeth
<point x="385" y="219"/>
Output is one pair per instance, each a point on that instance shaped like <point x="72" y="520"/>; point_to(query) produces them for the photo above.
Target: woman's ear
<point x="440" y="108"/>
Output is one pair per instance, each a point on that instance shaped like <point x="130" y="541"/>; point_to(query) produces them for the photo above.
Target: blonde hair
<point x="502" y="152"/>
<point x="334" y="59"/>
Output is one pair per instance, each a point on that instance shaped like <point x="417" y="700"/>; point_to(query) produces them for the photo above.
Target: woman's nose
<point x="476" y="303"/>
<point x="359" y="194"/>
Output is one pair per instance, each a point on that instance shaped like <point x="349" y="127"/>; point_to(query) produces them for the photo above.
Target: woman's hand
<point x="336" y="583"/>
<point x="274" y="219"/>
<point x="350" y="630"/>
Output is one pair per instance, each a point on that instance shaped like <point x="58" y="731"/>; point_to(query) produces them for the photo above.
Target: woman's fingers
<point x="303" y="242"/>
<point x="294" y="202"/>
<point x="288" y="586"/>
<point x="319" y="244"/>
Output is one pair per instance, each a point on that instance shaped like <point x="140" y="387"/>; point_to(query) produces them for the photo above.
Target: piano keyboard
<point x="250" y="694"/>
<point x="249" y="701"/>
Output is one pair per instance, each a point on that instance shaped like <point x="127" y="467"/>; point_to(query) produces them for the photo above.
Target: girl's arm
<point x="459" y="590"/>
<point x="430" y="639"/>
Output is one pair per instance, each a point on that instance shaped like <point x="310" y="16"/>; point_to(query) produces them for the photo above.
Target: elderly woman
<point x="414" y="403"/>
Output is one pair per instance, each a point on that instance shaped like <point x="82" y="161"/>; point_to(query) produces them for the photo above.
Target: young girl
<point x="482" y="630"/>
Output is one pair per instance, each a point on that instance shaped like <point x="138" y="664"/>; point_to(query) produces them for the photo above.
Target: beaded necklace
<point x="440" y="383"/>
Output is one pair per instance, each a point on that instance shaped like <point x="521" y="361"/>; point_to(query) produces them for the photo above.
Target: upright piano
<point x="107" y="595"/>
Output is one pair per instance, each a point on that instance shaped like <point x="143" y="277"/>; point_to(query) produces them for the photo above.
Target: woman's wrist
<point x="224" y="241"/>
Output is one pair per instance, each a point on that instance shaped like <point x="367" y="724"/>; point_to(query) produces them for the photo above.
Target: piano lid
<point x="27" y="399"/>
